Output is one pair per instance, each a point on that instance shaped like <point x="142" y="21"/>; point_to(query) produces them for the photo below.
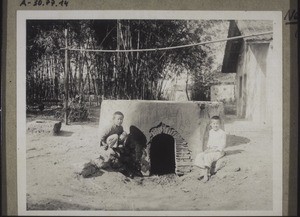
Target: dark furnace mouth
<point x="162" y="155"/>
<point x="169" y="153"/>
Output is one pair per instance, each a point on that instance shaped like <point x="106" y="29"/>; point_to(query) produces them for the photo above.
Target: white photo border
<point x="277" y="100"/>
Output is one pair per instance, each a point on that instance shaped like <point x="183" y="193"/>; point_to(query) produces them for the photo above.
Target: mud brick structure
<point x="175" y="131"/>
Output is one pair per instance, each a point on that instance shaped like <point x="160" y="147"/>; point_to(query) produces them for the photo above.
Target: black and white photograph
<point x="149" y="112"/>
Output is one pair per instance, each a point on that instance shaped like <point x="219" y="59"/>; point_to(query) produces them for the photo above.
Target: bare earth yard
<point x="53" y="183"/>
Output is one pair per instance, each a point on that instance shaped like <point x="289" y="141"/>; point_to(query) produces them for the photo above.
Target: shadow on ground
<point x="65" y="133"/>
<point x="233" y="140"/>
<point x="57" y="205"/>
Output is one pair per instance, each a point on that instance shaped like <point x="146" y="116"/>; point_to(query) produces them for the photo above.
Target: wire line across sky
<point x="169" y="48"/>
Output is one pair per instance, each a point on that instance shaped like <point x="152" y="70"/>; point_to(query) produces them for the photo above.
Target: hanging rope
<point x="168" y="48"/>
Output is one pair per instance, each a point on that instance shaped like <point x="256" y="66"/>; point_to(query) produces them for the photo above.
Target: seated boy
<point x="113" y="135"/>
<point x="215" y="148"/>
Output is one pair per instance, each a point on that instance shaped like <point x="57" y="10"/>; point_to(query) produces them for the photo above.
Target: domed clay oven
<point x="175" y="132"/>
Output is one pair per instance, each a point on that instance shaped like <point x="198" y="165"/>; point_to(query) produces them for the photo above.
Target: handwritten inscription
<point x="40" y="3"/>
<point x="291" y="18"/>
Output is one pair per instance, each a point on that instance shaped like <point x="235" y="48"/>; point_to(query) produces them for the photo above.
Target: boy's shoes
<point x="117" y="154"/>
<point x="205" y="179"/>
<point x="200" y="178"/>
<point x="138" y="174"/>
<point x="131" y="175"/>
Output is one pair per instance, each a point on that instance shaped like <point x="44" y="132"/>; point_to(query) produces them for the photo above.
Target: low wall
<point x="189" y="119"/>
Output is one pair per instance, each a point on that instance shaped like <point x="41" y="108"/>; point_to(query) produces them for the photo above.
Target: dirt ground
<point x="53" y="183"/>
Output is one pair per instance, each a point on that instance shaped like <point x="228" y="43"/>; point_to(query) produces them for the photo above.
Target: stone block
<point x="44" y="127"/>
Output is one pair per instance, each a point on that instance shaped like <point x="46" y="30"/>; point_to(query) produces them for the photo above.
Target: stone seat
<point x="44" y="127"/>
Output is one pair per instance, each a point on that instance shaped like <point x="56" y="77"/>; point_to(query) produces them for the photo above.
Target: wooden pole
<point x="117" y="67"/>
<point x="66" y="78"/>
